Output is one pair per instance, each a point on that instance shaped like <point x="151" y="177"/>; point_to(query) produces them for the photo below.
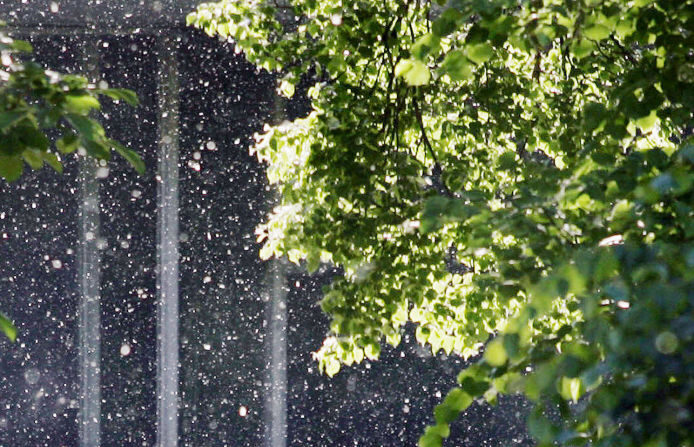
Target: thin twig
<point x="427" y="143"/>
<point x="624" y="51"/>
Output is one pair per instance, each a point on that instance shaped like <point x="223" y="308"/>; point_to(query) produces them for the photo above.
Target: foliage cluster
<point x="34" y="101"/>
<point x="519" y="171"/>
<point x="37" y="104"/>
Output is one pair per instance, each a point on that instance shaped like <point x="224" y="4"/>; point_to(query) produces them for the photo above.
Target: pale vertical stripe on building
<point x="89" y="272"/>
<point x="167" y="247"/>
<point x="277" y="315"/>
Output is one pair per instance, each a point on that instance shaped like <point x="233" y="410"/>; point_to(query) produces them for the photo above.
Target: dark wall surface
<point x="222" y="197"/>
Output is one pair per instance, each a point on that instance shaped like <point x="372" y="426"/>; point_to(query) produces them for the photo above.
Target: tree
<point x="505" y="172"/>
<point x="34" y="102"/>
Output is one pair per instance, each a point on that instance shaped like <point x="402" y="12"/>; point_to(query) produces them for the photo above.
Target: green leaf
<point x="9" y="119"/>
<point x="53" y="161"/>
<point x="90" y="129"/>
<point x="539" y="381"/>
<point x="425" y="45"/>
<point x="570" y="388"/>
<point x="594" y="115"/>
<point x="597" y="32"/>
<point x="7" y="327"/>
<point x="441" y="430"/>
<point x="22" y="45"/>
<point x="480" y="53"/>
<point x="540" y="427"/>
<point x="458" y="66"/>
<point x="96" y="149"/>
<point x="287" y="88"/>
<point x="11" y="168"/>
<point x="582" y="48"/>
<point x="403" y="67"/>
<point x="415" y="72"/>
<point x="131" y="156"/>
<point x="33" y="137"/>
<point x="647" y="122"/>
<point x="446" y="23"/>
<point x="332" y="366"/>
<point x="34" y="158"/>
<point x="474" y="388"/>
<point x="430" y="440"/>
<point x="495" y="354"/>
<point x="372" y="351"/>
<point x="118" y="94"/>
<point x="458" y="399"/>
<point x="68" y="143"/>
<point x="81" y="104"/>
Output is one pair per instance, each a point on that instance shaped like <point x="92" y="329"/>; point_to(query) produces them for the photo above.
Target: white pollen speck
<point x="57" y="263"/>
<point x="54" y="7"/>
<point x="125" y="350"/>
<point x="102" y="172"/>
<point x="211" y="145"/>
<point x="243" y="411"/>
<point x="206" y="346"/>
<point x="32" y="376"/>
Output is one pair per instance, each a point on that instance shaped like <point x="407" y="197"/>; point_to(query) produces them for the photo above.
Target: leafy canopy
<point x="520" y="171"/>
<point x="35" y="101"/>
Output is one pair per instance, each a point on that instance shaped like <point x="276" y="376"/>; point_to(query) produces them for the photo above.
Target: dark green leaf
<point x="130" y="155"/>
<point x="11" y="168"/>
<point x="8" y="119"/>
<point x="118" y="94"/>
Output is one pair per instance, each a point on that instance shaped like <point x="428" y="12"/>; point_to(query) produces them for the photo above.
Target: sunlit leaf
<point x="81" y="104"/>
<point x="7" y="327"/>
<point x="480" y="53"/>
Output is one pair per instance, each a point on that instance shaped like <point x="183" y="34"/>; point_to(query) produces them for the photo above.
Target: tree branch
<point x="624" y="51"/>
<point x="437" y="166"/>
